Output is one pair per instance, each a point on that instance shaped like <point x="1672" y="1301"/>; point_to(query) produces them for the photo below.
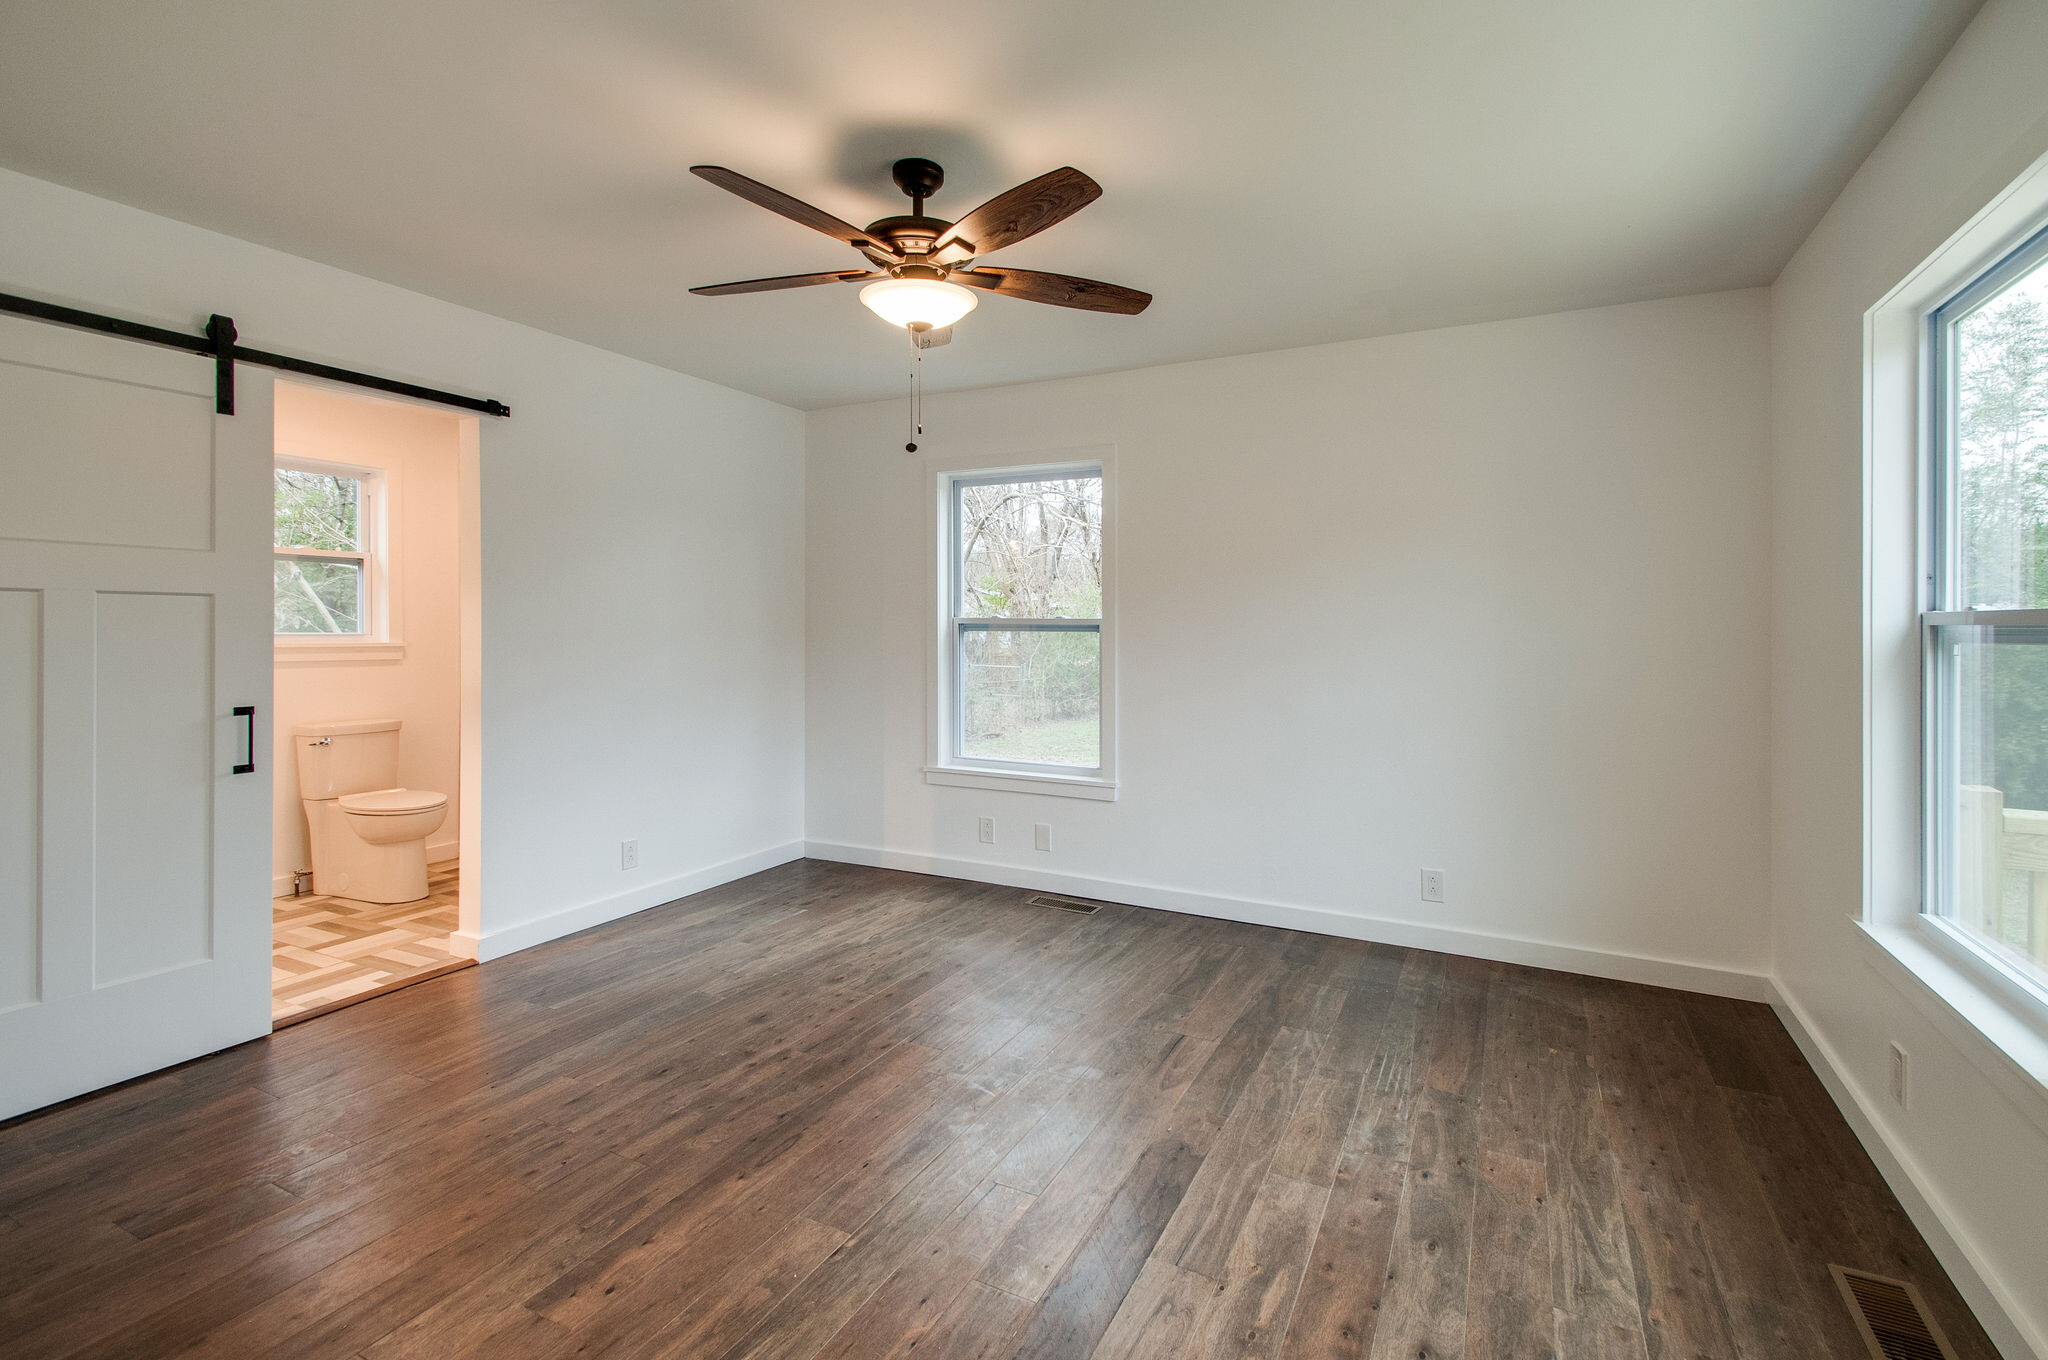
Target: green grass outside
<point x="1068" y="741"/>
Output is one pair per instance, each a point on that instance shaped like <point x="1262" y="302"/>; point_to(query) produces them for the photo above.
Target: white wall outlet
<point x="1898" y="1076"/>
<point x="1432" y="885"/>
<point x="629" y="854"/>
<point x="1041" y="836"/>
<point x="988" y="831"/>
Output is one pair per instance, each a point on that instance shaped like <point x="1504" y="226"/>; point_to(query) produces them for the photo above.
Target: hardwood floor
<point x="329" y="952"/>
<point x="840" y="1112"/>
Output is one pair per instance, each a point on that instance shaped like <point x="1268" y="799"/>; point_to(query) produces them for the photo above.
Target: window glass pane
<point x="1996" y="864"/>
<point x="2001" y="444"/>
<point x="1031" y="695"/>
<point x="1031" y="550"/>
<point x="312" y="596"/>
<point x="318" y="510"/>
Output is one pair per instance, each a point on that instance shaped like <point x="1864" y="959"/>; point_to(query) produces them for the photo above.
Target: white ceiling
<point x="1277" y="174"/>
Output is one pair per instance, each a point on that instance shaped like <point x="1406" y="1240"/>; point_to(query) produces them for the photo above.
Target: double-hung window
<point x="1021" y="665"/>
<point x="325" y="569"/>
<point x="1985" y="629"/>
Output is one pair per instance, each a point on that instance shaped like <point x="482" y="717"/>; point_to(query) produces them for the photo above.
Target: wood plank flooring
<point x="328" y="952"/>
<point x="838" y="1112"/>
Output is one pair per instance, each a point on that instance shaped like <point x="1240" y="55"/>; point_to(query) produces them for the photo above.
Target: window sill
<point x="335" y="652"/>
<point x="1012" y="781"/>
<point x="2006" y="1040"/>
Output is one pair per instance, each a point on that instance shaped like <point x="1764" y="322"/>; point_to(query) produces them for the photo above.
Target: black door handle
<point x="247" y="713"/>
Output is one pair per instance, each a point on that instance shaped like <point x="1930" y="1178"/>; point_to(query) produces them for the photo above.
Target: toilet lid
<point x="392" y="802"/>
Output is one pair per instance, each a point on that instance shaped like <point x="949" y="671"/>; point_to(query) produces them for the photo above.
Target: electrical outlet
<point x="1432" y="885"/>
<point x="988" y="831"/>
<point x="1898" y="1076"/>
<point x="1041" y="836"/>
<point x="629" y="854"/>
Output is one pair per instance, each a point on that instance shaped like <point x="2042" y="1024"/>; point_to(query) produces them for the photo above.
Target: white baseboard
<point x="1930" y="1213"/>
<point x="495" y="944"/>
<point x="1691" y="977"/>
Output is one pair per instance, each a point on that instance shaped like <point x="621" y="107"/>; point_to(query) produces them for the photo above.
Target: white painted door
<point x="134" y="617"/>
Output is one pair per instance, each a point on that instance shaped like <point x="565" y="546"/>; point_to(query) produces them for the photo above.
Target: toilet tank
<point x="346" y="757"/>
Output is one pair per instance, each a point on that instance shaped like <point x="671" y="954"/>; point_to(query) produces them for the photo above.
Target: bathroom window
<point x="326" y="574"/>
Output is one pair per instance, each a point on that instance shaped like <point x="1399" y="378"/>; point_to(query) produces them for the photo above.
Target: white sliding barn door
<point x="134" y="617"/>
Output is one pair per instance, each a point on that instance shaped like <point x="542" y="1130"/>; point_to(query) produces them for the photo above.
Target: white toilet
<point x="369" y="839"/>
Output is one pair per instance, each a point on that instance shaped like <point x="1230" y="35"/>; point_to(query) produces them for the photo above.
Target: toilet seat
<point x="392" y="802"/>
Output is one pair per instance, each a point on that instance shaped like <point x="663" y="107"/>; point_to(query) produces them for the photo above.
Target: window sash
<point x="366" y="490"/>
<point x="961" y="628"/>
<point x="1946" y="739"/>
<point x="362" y="566"/>
<point x="956" y="589"/>
<point x="1944" y="550"/>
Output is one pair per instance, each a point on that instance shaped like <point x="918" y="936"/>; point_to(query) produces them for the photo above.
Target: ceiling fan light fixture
<point x="908" y="302"/>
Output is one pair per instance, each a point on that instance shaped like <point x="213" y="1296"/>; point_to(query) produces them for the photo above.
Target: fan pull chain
<point x="916" y="391"/>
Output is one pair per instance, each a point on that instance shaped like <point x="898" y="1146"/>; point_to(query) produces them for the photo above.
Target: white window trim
<point x="382" y="638"/>
<point x="1928" y="959"/>
<point x="943" y="765"/>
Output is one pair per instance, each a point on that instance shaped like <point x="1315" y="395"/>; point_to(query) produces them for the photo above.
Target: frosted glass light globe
<point x="901" y="302"/>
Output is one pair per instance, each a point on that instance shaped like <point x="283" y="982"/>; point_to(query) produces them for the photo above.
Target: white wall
<point x="1485" y="600"/>
<point x="1965" y="1151"/>
<point x="417" y="448"/>
<point x="642" y="559"/>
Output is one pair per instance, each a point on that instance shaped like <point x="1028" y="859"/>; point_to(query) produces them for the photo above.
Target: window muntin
<point x="323" y="550"/>
<point x="1024" y="595"/>
<point x="1986" y="634"/>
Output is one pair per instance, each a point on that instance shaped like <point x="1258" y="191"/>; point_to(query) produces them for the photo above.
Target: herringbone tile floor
<point x="326" y="951"/>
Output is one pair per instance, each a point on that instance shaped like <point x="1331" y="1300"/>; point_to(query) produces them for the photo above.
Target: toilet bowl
<point x="368" y="838"/>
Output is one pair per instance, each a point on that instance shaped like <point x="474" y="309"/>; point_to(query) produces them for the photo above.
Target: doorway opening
<point x="375" y="617"/>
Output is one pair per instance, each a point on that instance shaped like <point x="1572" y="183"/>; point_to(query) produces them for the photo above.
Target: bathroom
<point x="368" y="692"/>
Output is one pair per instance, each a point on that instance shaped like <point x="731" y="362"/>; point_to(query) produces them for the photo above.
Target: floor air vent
<point x="1892" y="1317"/>
<point x="1079" y="905"/>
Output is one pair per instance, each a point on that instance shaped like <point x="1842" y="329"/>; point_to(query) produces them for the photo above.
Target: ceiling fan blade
<point x="1061" y="290"/>
<point x="786" y="281"/>
<point x="795" y="209"/>
<point x="1010" y="217"/>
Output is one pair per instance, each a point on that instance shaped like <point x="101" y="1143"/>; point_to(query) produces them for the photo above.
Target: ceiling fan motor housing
<point x="911" y="235"/>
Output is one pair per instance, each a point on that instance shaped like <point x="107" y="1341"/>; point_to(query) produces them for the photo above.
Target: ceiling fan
<point x="919" y="264"/>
